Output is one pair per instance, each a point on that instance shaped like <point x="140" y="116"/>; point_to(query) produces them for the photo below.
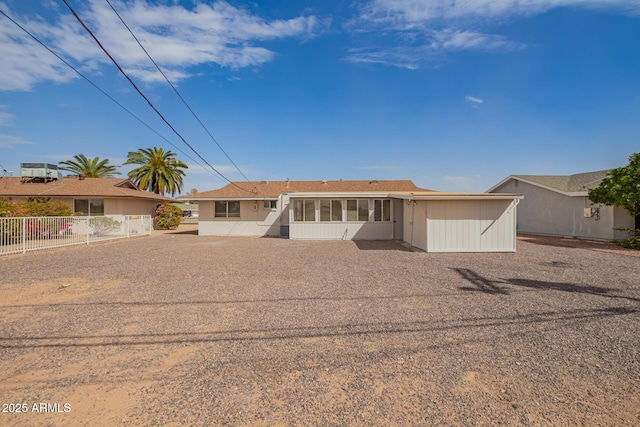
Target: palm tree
<point x="159" y="170"/>
<point x="91" y="168"/>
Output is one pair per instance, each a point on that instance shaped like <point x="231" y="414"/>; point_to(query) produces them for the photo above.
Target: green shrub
<point x="45" y="207"/>
<point x="11" y="209"/>
<point x="167" y="217"/>
<point x="633" y="239"/>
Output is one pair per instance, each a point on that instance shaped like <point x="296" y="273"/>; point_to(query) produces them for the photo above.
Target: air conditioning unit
<point x="40" y="171"/>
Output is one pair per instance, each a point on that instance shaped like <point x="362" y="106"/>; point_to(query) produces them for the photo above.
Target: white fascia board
<point x="227" y="198"/>
<point x="537" y="184"/>
<point x="481" y="196"/>
<point x="367" y="195"/>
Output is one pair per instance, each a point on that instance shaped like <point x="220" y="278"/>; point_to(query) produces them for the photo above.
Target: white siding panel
<point x="341" y="231"/>
<point x="470" y="226"/>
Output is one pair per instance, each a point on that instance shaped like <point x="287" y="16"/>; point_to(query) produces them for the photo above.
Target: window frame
<point x="333" y="212"/>
<point x="225" y="214"/>
<point x="270" y="204"/>
<point x="301" y="206"/>
<point x="384" y="212"/>
<point x="89" y="202"/>
<point x="358" y="210"/>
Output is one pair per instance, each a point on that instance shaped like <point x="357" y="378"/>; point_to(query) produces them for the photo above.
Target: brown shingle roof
<point x="272" y="189"/>
<point x="74" y="187"/>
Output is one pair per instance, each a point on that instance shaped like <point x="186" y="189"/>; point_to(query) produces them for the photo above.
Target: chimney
<point x="288" y="182"/>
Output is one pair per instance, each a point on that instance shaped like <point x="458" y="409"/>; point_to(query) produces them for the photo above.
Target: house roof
<point x="577" y="184"/>
<point x="74" y="187"/>
<point x="272" y="189"/>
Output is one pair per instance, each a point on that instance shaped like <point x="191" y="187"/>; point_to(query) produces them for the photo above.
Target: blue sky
<point x="454" y="95"/>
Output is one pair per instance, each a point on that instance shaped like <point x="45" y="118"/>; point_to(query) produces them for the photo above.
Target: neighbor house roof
<point x="577" y="184"/>
<point x="74" y="187"/>
<point x="272" y="189"/>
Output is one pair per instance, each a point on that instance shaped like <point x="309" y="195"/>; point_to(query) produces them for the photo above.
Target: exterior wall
<point x="129" y="207"/>
<point x="113" y="206"/>
<point x="252" y="222"/>
<point x="544" y="211"/>
<point x="471" y="226"/>
<point x="622" y="219"/>
<point x="344" y="230"/>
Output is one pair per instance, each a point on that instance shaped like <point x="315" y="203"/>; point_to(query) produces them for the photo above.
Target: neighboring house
<point x="361" y="210"/>
<point x="86" y="196"/>
<point x="559" y="205"/>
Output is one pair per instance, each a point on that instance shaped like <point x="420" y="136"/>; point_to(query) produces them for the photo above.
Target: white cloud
<point x="177" y="38"/>
<point x="5" y="118"/>
<point x="411" y="12"/>
<point x="7" y="141"/>
<point x="474" y="99"/>
<point x="422" y="31"/>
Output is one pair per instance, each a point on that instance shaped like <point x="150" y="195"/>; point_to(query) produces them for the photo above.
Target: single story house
<point x="558" y="205"/>
<point x="361" y="210"/>
<point x="86" y="196"/>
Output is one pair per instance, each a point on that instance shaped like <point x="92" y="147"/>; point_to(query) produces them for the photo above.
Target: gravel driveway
<point x="178" y="329"/>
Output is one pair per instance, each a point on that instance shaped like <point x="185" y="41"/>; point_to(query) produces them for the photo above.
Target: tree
<point x="91" y="168"/>
<point x="159" y="171"/>
<point x="621" y="187"/>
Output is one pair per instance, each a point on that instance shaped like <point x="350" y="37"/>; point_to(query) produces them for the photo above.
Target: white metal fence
<point x="19" y="235"/>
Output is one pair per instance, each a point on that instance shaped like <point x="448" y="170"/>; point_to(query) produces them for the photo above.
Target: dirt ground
<point x="177" y="329"/>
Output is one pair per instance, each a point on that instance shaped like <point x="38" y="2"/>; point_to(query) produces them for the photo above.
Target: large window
<point x="88" y="207"/>
<point x="382" y="210"/>
<point x="358" y="210"/>
<point x="331" y="210"/>
<point x="304" y="210"/>
<point x="227" y="209"/>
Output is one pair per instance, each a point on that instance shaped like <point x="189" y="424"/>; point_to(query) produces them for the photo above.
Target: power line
<point x="147" y="99"/>
<point x="100" y="89"/>
<point x="176" y="90"/>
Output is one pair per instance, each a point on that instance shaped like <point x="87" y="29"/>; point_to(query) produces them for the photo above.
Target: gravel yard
<point x="177" y="329"/>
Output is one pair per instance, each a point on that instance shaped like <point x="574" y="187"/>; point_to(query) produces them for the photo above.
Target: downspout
<point x="413" y="210"/>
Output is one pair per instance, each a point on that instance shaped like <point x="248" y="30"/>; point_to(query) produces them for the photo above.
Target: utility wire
<point x="147" y="99"/>
<point x="176" y="90"/>
<point x="101" y="90"/>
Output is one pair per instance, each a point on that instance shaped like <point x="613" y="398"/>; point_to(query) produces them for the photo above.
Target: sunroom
<point x="345" y="216"/>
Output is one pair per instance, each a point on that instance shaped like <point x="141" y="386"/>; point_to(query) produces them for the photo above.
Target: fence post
<point x="24" y="234"/>
<point x="87" y="228"/>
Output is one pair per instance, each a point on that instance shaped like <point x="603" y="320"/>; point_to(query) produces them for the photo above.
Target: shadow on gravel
<point x="482" y="284"/>
<point x="382" y="245"/>
<point x="568" y="287"/>
<point x="356" y="329"/>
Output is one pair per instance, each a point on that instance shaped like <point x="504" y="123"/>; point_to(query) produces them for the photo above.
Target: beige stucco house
<point x="559" y="205"/>
<point x="361" y="210"/>
<point x="86" y="196"/>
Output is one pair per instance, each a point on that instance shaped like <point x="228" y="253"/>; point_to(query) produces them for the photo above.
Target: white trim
<point x="537" y="184"/>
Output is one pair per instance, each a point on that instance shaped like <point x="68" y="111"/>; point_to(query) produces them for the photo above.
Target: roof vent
<point x="324" y="181"/>
<point x="81" y="177"/>
<point x="374" y="181"/>
<point x="264" y="182"/>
